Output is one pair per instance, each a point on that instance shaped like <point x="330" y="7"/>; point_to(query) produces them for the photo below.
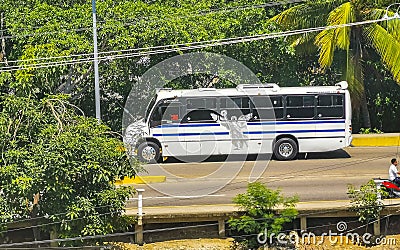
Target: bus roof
<point x="251" y="89"/>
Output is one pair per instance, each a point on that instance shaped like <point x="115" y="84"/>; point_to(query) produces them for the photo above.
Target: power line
<point x="189" y="46"/>
<point x="45" y="33"/>
<point x="99" y="247"/>
<point x="45" y="216"/>
<point x="154" y="47"/>
<point x="91" y="237"/>
<point x="52" y="223"/>
<point x="143" y="20"/>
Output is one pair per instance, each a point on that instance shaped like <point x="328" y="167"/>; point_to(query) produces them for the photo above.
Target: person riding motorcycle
<point x="394" y="173"/>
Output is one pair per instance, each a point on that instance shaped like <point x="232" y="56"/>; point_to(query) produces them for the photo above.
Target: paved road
<point x="322" y="176"/>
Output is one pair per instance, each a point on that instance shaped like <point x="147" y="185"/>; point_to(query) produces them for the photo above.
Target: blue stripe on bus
<point x="293" y="122"/>
<point x="254" y="132"/>
<point x="190" y="125"/>
<point x="191" y="134"/>
<point x="293" y="131"/>
<point x="248" y="123"/>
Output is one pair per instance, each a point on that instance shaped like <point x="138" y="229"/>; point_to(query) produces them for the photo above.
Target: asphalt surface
<point x="321" y="176"/>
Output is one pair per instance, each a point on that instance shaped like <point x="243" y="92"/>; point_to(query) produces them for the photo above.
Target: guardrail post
<point x="139" y="224"/>
<point x="378" y="183"/>
<point x="221" y="228"/>
<point x="377" y="227"/>
<point x="377" y="224"/>
<point x="303" y="223"/>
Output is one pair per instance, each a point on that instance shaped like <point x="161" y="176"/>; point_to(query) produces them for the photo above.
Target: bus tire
<point x="285" y="149"/>
<point x="148" y="152"/>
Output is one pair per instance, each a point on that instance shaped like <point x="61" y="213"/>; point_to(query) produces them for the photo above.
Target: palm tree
<point x="356" y="41"/>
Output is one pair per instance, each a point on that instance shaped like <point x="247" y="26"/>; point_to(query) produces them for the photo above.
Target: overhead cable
<point x="185" y="47"/>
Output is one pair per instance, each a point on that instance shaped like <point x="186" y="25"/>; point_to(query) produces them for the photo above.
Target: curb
<point x="378" y="140"/>
<point x="327" y="206"/>
<point x="141" y="180"/>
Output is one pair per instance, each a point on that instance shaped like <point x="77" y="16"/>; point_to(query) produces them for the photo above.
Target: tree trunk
<point x="366" y="121"/>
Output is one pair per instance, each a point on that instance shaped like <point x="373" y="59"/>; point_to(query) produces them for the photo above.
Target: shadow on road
<point x="217" y="158"/>
<point x="336" y="154"/>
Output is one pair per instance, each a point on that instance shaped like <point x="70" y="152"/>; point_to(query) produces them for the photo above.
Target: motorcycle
<point x="393" y="190"/>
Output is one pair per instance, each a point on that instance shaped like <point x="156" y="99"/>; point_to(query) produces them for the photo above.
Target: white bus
<point x="248" y="119"/>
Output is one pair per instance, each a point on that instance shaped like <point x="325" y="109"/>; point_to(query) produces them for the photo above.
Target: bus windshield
<point x="148" y="110"/>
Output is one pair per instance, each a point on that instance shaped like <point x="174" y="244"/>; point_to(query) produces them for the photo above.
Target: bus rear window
<point x="330" y="106"/>
<point x="300" y="107"/>
<point x="300" y="101"/>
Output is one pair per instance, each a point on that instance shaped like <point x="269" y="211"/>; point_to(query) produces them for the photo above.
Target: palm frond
<point x="342" y="15"/>
<point x="391" y="26"/>
<point x="328" y="40"/>
<point x="325" y="41"/>
<point x="310" y="14"/>
<point x="387" y="46"/>
<point x="377" y="13"/>
<point x="305" y="44"/>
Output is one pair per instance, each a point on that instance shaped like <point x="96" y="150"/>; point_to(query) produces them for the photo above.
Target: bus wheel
<point x="285" y="149"/>
<point x="148" y="152"/>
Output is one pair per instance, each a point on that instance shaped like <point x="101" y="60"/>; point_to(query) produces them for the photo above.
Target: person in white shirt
<point x="393" y="172"/>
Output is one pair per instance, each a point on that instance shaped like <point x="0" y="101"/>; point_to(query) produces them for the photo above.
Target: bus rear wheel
<point x="148" y="152"/>
<point x="285" y="149"/>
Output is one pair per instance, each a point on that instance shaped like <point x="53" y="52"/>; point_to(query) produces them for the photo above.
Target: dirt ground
<point x="343" y="243"/>
<point x="195" y="244"/>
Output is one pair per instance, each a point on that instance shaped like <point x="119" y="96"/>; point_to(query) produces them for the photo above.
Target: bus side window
<point x="299" y="106"/>
<point x="194" y="103"/>
<point x="267" y="107"/>
<point x="201" y="103"/>
<point x="330" y="106"/>
<point x="235" y="106"/>
<point x="277" y="103"/>
<point x="200" y="115"/>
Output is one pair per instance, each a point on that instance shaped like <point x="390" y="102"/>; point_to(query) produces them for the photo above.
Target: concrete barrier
<point x="141" y="180"/>
<point x="376" y="140"/>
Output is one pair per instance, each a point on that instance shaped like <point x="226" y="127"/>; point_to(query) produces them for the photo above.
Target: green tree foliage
<point x="383" y="93"/>
<point x="357" y="41"/>
<point x="365" y="201"/>
<point x="37" y="29"/>
<point x="265" y="210"/>
<point x="43" y="29"/>
<point x="61" y="167"/>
